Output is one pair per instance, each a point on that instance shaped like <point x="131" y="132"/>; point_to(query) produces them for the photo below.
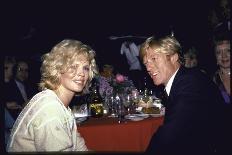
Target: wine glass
<point x="112" y="106"/>
<point x="80" y="113"/>
<point x="120" y="108"/>
<point x="128" y="103"/>
<point x="135" y="97"/>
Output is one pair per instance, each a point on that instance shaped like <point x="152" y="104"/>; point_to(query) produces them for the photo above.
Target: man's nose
<point x="148" y="67"/>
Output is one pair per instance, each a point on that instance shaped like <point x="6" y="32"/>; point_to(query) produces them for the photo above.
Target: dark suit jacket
<point x="13" y="94"/>
<point x="195" y="117"/>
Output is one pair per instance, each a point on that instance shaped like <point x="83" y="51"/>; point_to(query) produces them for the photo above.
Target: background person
<point x="190" y="58"/>
<point x="9" y="63"/>
<point x="107" y="71"/>
<point x="19" y="90"/>
<point x="47" y="122"/>
<point x="193" y="105"/>
<point x="222" y="74"/>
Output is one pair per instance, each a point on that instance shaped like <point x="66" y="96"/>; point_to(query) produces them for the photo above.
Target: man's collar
<point x="170" y="81"/>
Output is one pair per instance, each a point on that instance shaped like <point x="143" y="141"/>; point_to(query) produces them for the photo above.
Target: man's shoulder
<point x="192" y="74"/>
<point x="192" y="78"/>
<point x="11" y="83"/>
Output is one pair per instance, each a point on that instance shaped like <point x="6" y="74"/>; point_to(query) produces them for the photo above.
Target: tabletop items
<point x="133" y="106"/>
<point x="96" y="103"/>
<point x="117" y="103"/>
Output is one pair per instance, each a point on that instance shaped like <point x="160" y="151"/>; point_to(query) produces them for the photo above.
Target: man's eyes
<point x="153" y="58"/>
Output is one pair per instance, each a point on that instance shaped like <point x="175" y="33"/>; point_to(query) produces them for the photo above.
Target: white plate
<point x="78" y="115"/>
<point x="80" y="119"/>
<point x="156" y="115"/>
<point x="134" y="117"/>
<point x="141" y="115"/>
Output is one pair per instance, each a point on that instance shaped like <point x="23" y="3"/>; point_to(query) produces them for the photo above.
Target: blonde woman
<point x="47" y="123"/>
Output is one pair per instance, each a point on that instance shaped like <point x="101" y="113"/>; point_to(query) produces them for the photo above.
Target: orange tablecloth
<point x="106" y="134"/>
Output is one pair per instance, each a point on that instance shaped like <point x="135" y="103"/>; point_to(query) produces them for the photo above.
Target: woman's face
<point x="222" y="52"/>
<point x="75" y="78"/>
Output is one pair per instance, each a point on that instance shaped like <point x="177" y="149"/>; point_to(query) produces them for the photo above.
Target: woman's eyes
<point x="219" y="52"/>
<point x="86" y="68"/>
<point x="75" y="67"/>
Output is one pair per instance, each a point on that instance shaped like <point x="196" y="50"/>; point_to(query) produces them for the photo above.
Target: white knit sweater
<point x="45" y="124"/>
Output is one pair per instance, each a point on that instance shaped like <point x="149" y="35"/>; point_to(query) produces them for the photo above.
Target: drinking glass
<point x="128" y="103"/>
<point x="80" y="113"/>
<point x="135" y="97"/>
<point x="120" y="109"/>
<point x="112" y="106"/>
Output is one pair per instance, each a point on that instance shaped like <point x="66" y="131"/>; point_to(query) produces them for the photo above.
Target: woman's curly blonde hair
<point x="60" y="58"/>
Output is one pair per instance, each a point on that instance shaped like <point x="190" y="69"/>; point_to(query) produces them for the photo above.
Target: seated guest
<point x="46" y="123"/>
<point x="222" y="75"/>
<point x="18" y="90"/>
<point x="107" y="71"/>
<point x="190" y="58"/>
<point x="194" y="113"/>
<point x="9" y="63"/>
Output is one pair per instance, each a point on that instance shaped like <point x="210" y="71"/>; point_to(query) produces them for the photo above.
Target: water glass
<point x="120" y="109"/>
<point x="128" y="103"/>
<point x="135" y="97"/>
<point x="112" y="106"/>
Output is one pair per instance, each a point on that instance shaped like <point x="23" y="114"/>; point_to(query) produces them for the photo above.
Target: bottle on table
<point x="96" y="102"/>
<point x="146" y="94"/>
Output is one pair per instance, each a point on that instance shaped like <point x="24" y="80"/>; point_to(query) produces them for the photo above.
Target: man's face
<point x="22" y="71"/>
<point x="190" y="61"/>
<point x="160" y="66"/>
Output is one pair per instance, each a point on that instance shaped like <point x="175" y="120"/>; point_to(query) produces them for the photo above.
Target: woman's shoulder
<point x="44" y="104"/>
<point x="43" y="95"/>
<point x="47" y="114"/>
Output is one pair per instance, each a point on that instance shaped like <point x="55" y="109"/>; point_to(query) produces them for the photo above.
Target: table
<point x="106" y="134"/>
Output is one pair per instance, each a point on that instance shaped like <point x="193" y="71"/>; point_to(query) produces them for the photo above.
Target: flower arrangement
<point x="119" y="83"/>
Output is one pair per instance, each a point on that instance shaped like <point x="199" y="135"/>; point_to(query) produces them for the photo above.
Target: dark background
<point x="31" y="28"/>
<point x="34" y="27"/>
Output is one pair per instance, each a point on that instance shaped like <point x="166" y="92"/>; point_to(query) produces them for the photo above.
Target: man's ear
<point x="145" y="59"/>
<point x="174" y="58"/>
